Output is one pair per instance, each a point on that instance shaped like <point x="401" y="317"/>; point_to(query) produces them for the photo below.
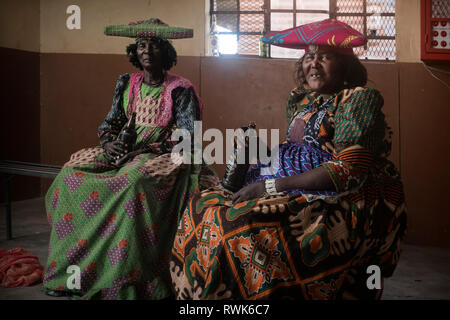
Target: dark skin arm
<point x="315" y="179"/>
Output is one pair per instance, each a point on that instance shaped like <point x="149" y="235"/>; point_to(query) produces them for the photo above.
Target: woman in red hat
<point x="114" y="208"/>
<point x="329" y="222"/>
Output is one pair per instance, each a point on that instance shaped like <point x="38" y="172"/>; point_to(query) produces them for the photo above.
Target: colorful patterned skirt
<point x="116" y="226"/>
<point x="294" y="246"/>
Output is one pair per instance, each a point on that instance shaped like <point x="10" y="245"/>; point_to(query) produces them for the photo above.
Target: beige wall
<point x="95" y="14"/>
<point x="407" y="16"/>
<point x="19" y="24"/>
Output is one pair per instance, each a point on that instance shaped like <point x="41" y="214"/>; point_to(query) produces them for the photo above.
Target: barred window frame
<point x="363" y="14"/>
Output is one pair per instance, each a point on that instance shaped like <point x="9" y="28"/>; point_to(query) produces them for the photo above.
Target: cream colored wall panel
<point x="407" y="16"/>
<point x="19" y="24"/>
<point x="95" y="14"/>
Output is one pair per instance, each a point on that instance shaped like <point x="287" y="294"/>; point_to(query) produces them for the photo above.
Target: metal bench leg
<point x="7" y="186"/>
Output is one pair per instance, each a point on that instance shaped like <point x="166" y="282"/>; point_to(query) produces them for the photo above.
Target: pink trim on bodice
<point x="171" y="82"/>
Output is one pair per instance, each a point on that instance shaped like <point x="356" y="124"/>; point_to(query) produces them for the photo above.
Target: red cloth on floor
<point x="18" y="267"/>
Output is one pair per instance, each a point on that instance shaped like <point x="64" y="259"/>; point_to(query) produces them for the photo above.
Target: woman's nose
<point x="315" y="61"/>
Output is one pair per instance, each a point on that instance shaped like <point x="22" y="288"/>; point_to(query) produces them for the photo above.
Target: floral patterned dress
<point x="302" y="244"/>
<point x="117" y="224"/>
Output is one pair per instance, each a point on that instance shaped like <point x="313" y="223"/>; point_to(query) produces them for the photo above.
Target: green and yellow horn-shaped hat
<point x="147" y="29"/>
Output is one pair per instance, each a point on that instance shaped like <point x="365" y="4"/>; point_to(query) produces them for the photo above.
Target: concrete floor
<point x="422" y="273"/>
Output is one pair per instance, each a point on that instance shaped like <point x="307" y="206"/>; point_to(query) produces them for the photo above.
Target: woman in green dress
<point x="114" y="213"/>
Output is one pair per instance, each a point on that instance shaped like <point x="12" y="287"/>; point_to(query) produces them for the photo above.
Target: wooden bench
<point x="9" y="169"/>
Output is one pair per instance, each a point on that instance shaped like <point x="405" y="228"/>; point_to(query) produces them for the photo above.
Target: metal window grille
<point x="242" y="22"/>
<point x="440" y="9"/>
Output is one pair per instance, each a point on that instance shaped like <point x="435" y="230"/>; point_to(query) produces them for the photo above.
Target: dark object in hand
<point x="118" y="150"/>
<point x="127" y="136"/>
<point x="235" y="173"/>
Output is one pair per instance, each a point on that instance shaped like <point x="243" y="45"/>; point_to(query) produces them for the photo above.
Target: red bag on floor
<point x="19" y="268"/>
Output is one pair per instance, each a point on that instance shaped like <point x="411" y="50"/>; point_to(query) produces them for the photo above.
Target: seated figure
<point x="114" y="209"/>
<point x="333" y="207"/>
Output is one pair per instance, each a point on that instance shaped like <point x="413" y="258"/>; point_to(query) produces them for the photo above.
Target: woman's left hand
<point x="252" y="191"/>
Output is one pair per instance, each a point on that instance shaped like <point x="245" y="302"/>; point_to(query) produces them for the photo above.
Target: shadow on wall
<point x="20" y="114"/>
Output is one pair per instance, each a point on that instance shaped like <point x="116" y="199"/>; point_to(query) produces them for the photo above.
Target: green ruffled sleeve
<point x="360" y="121"/>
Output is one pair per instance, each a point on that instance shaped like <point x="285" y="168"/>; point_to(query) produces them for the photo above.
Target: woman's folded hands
<point x="115" y="149"/>
<point x="117" y="152"/>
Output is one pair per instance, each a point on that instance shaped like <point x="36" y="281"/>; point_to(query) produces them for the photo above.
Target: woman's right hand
<point x="115" y="149"/>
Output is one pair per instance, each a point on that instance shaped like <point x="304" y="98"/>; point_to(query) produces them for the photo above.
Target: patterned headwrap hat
<point x="147" y="29"/>
<point x="330" y="33"/>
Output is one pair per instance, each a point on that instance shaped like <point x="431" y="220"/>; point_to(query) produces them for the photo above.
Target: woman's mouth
<point x="315" y="76"/>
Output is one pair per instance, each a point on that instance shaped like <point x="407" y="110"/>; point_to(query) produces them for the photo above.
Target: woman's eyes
<point x="152" y="47"/>
<point x="320" y="57"/>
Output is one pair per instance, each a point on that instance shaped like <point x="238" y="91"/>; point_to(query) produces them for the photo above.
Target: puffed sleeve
<point x="116" y="117"/>
<point x="360" y="128"/>
<point x="186" y="108"/>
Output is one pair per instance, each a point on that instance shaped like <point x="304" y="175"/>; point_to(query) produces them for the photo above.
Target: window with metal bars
<point x="237" y="25"/>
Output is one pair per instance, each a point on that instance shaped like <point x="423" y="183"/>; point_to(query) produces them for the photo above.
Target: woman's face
<point x="322" y="71"/>
<point x="149" y="54"/>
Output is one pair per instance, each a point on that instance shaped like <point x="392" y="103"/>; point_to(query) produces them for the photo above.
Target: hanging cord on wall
<point x="429" y="69"/>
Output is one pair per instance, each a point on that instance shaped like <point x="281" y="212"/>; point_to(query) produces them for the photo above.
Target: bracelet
<point x="270" y="187"/>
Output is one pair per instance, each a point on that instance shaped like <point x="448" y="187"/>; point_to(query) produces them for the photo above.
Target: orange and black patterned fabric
<point x="302" y="246"/>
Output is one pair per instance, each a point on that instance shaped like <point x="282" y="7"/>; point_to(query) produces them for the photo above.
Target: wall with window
<point x="245" y="20"/>
<point x="59" y="89"/>
<point x="39" y="26"/>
